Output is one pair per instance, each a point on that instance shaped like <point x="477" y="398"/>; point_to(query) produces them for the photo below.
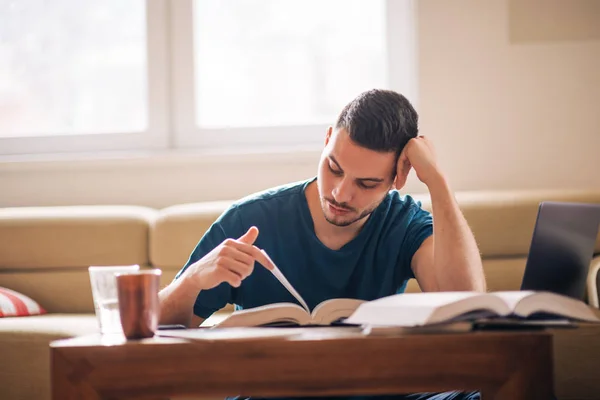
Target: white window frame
<point x="156" y="134"/>
<point x="401" y="64"/>
<point x="170" y="102"/>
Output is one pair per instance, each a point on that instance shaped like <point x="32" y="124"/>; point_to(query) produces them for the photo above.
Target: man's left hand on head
<point x="420" y="155"/>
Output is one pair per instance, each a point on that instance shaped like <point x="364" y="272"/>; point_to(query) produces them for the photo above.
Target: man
<point x="344" y="233"/>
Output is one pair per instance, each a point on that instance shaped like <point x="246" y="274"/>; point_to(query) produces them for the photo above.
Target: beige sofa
<point x="45" y="252"/>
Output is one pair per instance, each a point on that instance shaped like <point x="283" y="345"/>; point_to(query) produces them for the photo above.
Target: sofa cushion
<point x="500" y="274"/>
<point x="24" y="346"/>
<point x="41" y="327"/>
<point x="15" y="304"/>
<point x="176" y="230"/>
<point x="503" y="221"/>
<point x="61" y="291"/>
<point x="71" y="237"/>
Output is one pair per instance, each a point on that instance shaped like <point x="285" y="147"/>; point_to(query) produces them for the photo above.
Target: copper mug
<point x="138" y="302"/>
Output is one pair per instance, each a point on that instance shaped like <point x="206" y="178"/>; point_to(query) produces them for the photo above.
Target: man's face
<point x="352" y="180"/>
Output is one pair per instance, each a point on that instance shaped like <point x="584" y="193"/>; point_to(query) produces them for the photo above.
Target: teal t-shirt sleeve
<point x="420" y="227"/>
<point x="212" y="300"/>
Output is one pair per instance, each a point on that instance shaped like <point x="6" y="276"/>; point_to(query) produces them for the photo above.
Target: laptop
<point x="562" y="248"/>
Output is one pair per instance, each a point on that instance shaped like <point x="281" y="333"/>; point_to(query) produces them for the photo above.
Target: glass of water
<point x="105" y="295"/>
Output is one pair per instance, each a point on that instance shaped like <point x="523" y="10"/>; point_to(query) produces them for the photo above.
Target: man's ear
<point x="328" y="135"/>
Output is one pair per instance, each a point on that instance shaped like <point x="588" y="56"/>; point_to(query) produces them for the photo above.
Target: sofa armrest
<point x="593" y="283"/>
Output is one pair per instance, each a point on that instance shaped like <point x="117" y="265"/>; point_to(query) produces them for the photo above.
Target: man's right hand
<point x="231" y="261"/>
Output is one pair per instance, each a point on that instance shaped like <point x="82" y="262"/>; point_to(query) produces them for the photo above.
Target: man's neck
<point x="332" y="236"/>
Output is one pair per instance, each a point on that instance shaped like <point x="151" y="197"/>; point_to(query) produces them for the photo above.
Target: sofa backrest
<point x="45" y="251"/>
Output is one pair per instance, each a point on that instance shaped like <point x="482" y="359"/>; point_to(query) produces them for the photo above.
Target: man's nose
<point x="342" y="193"/>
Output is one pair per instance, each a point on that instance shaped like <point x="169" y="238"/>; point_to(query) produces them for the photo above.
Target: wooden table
<point x="502" y="365"/>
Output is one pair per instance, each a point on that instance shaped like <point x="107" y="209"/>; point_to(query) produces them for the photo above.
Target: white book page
<point x="331" y="310"/>
<point x="281" y="278"/>
<point x="269" y="313"/>
<point x="423" y="300"/>
<point x="553" y="303"/>
<point x="414" y="309"/>
<point x="512" y="298"/>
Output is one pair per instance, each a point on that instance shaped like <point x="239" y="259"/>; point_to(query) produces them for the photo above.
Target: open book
<point x="289" y="313"/>
<point x="421" y="309"/>
<point x="413" y="309"/>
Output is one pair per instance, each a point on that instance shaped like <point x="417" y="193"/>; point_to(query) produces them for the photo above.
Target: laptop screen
<point x="562" y="248"/>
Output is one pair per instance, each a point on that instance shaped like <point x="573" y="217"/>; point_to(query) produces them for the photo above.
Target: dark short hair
<point x="380" y="120"/>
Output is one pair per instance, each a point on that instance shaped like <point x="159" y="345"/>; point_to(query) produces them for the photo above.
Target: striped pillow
<point x="15" y="304"/>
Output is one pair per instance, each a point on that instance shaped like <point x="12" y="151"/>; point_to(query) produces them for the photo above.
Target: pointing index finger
<point x="262" y="257"/>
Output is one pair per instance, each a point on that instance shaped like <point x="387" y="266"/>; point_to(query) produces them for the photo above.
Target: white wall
<point x="506" y="107"/>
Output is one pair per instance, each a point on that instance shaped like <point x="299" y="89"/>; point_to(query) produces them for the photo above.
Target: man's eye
<point x="365" y="186"/>
<point x="334" y="171"/>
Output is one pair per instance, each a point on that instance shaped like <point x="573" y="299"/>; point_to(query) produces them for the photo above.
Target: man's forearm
<point x="177" y="302"/>
<point x="456" y="258"/>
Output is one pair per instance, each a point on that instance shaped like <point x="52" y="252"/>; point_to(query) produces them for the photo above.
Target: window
<point x="83" y="75"/>
<point x="278" y="63"/>
<point x="73" y="67"/>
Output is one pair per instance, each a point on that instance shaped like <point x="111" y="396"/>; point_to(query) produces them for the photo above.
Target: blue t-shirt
<point x="376" y="263"/>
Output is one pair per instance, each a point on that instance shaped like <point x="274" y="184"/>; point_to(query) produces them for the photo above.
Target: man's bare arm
<point x="177" y="303"/>
<point x="449" y="260"/>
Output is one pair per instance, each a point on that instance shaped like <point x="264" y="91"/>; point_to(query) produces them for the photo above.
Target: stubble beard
<point x="348" y="222"/>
